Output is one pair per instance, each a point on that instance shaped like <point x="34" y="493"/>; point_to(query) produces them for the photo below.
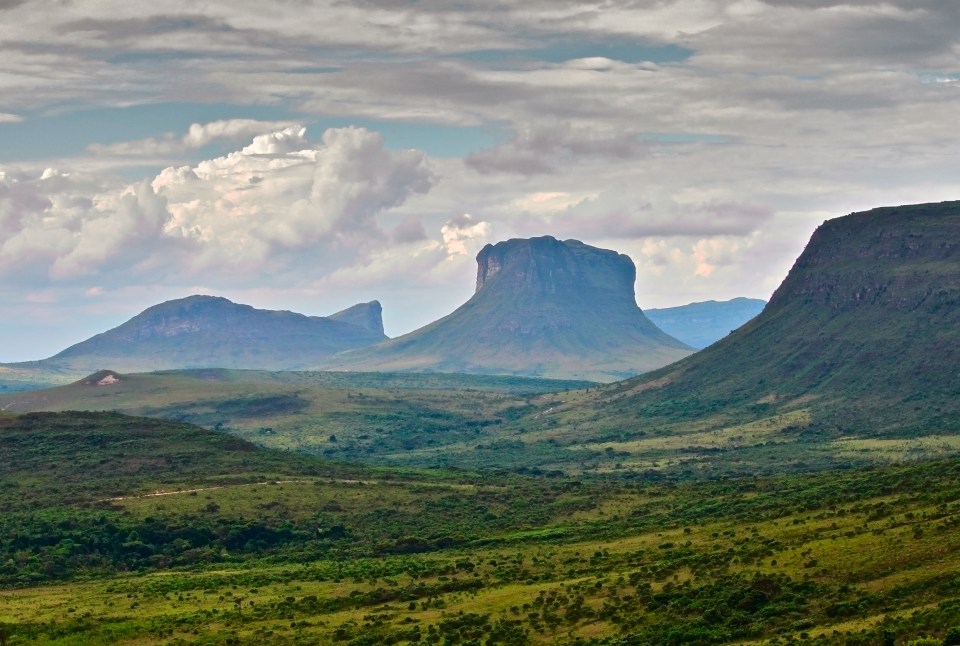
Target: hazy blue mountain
<point x="543" y="308"/>
<point x="701" y="324"/>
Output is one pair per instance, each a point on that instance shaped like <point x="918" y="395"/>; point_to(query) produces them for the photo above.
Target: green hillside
<point x="30" y="376"/>
<point x="117" y="530"/>
<point x="856" y="356"/>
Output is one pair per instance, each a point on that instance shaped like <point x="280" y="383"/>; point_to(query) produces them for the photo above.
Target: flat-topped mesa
<point x="547" y="265"/>
<point x="542" y="307"/>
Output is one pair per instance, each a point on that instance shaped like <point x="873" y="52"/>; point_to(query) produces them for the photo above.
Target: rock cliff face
<point x="542" y="307"/>
<point x="890" y="258"/>
<point x="213" y="332"/>
<point x="548" y="266"/>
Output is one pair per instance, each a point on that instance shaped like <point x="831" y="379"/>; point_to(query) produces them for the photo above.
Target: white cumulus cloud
<point x="283" y="191"/>
<point x="200" y="135"/>
<point x="462" y="234"/>
<point x="283" y="202"/>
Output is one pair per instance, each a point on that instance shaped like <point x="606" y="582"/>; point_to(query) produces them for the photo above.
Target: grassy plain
<point x="517" y="424"/>
<point x="347" y="416"/>
<point x="214" y="542"/>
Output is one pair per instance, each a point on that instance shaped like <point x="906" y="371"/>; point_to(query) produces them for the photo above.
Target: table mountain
<point x="210" y="331"/>
<point x="542" y="307"/>
<point x="701" y="324"/>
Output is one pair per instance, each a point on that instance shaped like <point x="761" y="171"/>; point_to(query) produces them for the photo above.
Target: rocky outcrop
<point x="365" y="315"/>
<point x="548" y="266"/>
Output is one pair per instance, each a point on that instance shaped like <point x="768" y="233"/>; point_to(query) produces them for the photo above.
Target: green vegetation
<point x="507" y="423"/>
<point x="859" y="342"/>
<point x="119" y="530"/>
<point x="29" y="376"/>
<point x="346" y="416"/>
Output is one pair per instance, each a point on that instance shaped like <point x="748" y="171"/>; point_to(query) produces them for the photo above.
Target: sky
<point x="307" y="156"/>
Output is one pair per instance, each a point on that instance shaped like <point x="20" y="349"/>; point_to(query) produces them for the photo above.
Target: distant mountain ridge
<point x="542" y="307"/>
<point x="213" y="332"/>
<point x="706" y="322"/>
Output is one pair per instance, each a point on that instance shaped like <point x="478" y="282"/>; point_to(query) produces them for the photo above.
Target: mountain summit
<point x="542" y="307"/>
<point x="210" y="331"/>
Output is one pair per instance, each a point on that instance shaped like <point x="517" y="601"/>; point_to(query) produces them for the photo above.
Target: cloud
<point x="40" y="217"/>
<point x="265" y="133"/>
<point x="124" y="233"/>
<point x="17" y="198"/>
<point x="410" y="230"/>
<point x="355" y="179"/>
<point x="895" y="34"/>
<point x="770" y="116"/>
<point x="547" y="202"/>
<point x="713" y="252"/>
<point x="289" y="140"/>
<point x="629" y="214"/>
<point x="462" y="233"/>
<point x="284" y="192"/>
<point x="281" y="201"/>
<point x="543" y="148"/>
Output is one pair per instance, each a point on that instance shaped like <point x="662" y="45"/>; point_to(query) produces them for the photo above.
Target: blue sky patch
<point x="68" y="134"/>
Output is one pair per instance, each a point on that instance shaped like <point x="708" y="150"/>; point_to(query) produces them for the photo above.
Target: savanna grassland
<point x="119" y="530"/>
